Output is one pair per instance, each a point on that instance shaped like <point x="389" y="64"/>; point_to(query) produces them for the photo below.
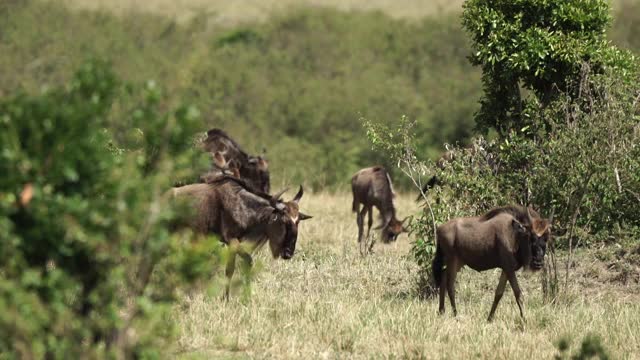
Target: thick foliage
<point x="539" y="46"/>
<point x="88" y="264"/>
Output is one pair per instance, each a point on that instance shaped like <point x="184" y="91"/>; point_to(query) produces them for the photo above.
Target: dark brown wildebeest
<point x="507" y="237"/>
<point x="254" y="170"/>
<point x="229" y="208"/>
<point x="372" y="187"/>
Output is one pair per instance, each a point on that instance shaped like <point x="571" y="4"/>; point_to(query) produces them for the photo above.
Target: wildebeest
<point x="508" y="238"/>
<point x="229" y="208"/>
<point x="372" y="187"/>
<point x="253" y="169"/>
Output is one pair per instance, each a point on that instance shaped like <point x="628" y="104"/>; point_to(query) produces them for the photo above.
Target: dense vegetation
<point x="89" y="265"/>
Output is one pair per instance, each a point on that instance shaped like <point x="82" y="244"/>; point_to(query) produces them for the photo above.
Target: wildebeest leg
<point x="360" y="221"/>
<point x="234" y="248"/>
<point x="230" y="269"/>
<point x="369" y="224"/>
<point x="443" y="289"/>
<point x="452" y="272"/>
<point x="511" y="275"/>
<point x="247" y="258"/>
<point x="502" y="283"/>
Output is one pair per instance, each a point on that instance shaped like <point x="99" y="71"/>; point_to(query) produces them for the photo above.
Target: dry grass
<point x="237" y="11"/>
<point x="328" y="302"/>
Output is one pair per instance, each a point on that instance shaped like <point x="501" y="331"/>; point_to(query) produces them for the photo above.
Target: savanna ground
<point x="329" y="302"/>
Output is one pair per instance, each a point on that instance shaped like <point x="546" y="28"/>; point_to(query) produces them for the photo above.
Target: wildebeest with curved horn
<point x="509" y="238"/>
<point x="372" y="187"/>
<point x="229" y="208"/>
<point x="254" y="170"/>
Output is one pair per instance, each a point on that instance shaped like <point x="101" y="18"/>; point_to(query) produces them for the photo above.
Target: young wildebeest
<point x="229" y="208"/>
<point x="253" y="169"/>
<point x="372" y="187"/>
<point x="508" y="238"/>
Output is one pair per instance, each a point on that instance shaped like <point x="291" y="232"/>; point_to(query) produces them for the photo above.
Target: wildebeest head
<point x="256" y="171"/>
<point x="391" y="229"/>
<point x="536" y="232"/>
<point x="282" y="230"/>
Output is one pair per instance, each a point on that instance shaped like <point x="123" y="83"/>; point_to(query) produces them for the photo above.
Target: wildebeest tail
<point x="355" y="206"/>
<point x="437" y="266"/>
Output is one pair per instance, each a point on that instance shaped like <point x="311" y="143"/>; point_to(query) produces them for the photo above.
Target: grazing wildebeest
<point x="372" y="187"/>
<point x="229" y="208"/>
<point x="254" y="170"/>
<point x="508" y="238"/>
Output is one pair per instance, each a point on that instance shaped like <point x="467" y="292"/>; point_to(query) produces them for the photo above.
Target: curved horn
<point x="384" y="224"/>
<point x="529" y="215"/>
<point x="277" y="196"/>
<point x="296" y="199"/>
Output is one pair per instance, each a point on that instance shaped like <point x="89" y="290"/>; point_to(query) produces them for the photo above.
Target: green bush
<point x="88" y="265"/>
<point x="537" y="46"/>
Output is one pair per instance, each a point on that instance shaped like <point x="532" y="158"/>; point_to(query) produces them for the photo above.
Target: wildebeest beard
<point x="290" y="239"/>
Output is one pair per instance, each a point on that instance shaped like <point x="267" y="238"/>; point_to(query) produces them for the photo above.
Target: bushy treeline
<point x="90" y="259"/>
<point x="295" y="85"/>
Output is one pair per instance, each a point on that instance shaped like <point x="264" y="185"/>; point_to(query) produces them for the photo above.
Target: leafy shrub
<point x="89" y="267"/>
<point x="538" y="46"/>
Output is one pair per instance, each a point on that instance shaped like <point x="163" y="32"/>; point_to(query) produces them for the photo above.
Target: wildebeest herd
<point x="233" y="201"/>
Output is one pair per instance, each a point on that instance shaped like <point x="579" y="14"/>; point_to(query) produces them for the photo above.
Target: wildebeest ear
<point x="219" y="160"/>
<point x="540" y="226"/>
<point x="298" y="196"/>
<point x="518" y="227"/>
<point x="303" y="216"/>
<point x="263" y="164"/>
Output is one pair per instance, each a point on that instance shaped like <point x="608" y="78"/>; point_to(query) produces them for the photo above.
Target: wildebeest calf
<point x="229" y="208"/>
<point x="508" y="238"/>
<point x="372" y="187"/>
<point x="254" y="170"/>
